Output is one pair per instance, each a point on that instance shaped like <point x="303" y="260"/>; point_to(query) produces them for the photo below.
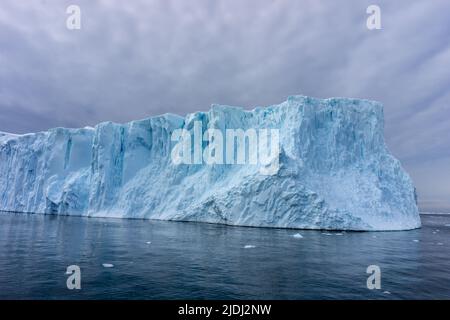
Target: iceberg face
<point x="335" y="171"/>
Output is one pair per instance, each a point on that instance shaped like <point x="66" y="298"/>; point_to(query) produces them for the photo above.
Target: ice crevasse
<point x="335" y="171"/>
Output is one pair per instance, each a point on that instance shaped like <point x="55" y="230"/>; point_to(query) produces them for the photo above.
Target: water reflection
<point x="170" y="260"/>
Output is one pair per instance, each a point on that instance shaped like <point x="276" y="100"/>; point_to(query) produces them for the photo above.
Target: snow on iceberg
<point x="335" y="171"/>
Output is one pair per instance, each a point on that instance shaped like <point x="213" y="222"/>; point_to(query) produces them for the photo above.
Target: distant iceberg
<point x="335" y="171"/>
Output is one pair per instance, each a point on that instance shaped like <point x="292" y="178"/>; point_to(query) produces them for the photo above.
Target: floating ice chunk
<point x="440" y="244"/>
<point x="327" y="234"/>
<point x="298" y="236"/>
<point x="249" y="246"/>
<point x="386" y="292"/>
<point x="415" y="240"/>
<point x="148" y="242"/>
<point x="108" y="265"/>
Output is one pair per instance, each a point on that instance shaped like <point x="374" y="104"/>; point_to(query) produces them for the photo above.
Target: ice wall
<point x="335" y="171"/>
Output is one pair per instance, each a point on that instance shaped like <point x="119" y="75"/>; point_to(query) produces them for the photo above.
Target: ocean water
<point x="174" y="260"/>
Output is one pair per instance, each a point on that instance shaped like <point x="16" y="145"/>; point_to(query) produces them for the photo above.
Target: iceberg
<point x="335" y="171"/>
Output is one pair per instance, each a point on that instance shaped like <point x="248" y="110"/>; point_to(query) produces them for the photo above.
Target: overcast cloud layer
<point x="134" y="59"/>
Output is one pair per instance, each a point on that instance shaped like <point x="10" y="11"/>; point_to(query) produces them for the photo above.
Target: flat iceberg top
<point x="171" y="117"/>
<point x="333" y="170"/>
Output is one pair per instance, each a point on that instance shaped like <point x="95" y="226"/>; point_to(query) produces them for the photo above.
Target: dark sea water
<point x="205" y="261"/>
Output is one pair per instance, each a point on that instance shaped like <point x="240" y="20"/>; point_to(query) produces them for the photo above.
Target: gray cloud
<point x="135" y="59"/>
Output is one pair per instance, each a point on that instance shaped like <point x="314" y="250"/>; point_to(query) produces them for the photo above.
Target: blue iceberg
<point x="335" y="171"/>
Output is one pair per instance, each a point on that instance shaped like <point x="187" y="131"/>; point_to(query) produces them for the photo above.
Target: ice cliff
<point x="335" y="171"/>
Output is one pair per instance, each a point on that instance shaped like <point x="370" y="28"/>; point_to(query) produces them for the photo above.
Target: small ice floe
<point x="108" y="265"/>
<point x="148" y="242"/>
<point x="440" y="244"/>
<point x="374" y="237"/>
<point x="298" y="236"/>
<point x="386" y="292"/>
<point x="434" y="232"/>
<point x="339" y="234"/>
<point x="327" y="234"/>
<point x="249" y="246"/>
<point x="447" y="225"/>
<point x="415" y="240"/>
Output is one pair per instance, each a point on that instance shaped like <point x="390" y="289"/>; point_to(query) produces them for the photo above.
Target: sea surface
<point x="142" y="259"/>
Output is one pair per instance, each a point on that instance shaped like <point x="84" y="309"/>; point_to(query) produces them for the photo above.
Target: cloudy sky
<point x="133" y="59"/>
